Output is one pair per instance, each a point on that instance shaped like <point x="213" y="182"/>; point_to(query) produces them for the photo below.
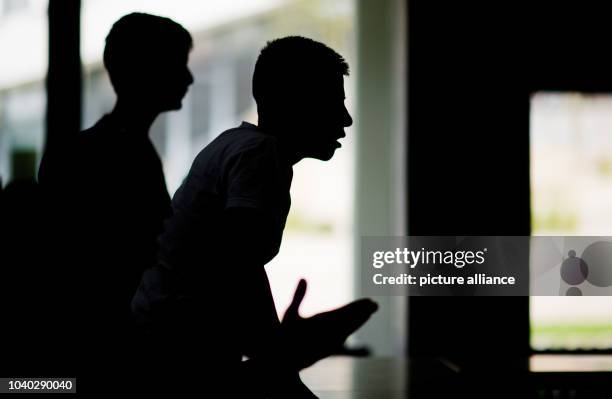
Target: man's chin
<point x="324" y="155"/>
<point x="173" y="103"/>
<point x="174" y="107"/>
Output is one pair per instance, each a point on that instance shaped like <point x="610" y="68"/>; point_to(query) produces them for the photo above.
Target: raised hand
<point x="314" y="338"/>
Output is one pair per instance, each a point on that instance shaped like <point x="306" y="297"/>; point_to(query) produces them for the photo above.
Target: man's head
<point x="146" y="58"/>
<point x="298" y="85"/>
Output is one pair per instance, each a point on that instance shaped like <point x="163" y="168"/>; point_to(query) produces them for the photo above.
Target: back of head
<point x="139" y="46"/>
<point x="294" y="69"/>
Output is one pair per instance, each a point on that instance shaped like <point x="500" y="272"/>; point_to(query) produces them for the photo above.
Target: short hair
<point x="293" y="61"/>
<point x="137" y="39"/>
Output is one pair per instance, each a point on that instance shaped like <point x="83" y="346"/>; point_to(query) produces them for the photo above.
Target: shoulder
<point x="248" y="138"/>
<point x="254" y="150"/>
<point x="91" y="138"/>
<point x="242" y="142"/>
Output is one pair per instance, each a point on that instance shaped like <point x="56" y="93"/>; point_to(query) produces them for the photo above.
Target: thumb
<point x="293" y="309"/>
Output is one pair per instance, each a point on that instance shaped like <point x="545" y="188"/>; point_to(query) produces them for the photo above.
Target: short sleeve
<point x="253" y="176"/>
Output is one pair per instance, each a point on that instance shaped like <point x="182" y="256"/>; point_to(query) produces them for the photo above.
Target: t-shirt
<point x="111" y="202"/>
<point x="112" y="183"/>
<point x="242" y="167"/>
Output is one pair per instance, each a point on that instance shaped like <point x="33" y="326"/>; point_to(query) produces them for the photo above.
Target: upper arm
<point x="247" y="234"/>
<point x="252" y="177"/>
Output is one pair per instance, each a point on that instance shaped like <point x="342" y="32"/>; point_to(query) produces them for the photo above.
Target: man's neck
<point x="134" y="119"/>
<point x="288" y="147"/>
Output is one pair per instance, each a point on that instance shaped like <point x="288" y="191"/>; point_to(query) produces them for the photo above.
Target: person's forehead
<point x="171" y="56"/>
<point x="331" y="85"/>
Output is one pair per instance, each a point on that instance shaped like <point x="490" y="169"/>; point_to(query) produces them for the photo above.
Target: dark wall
<point x="472" y="68"/>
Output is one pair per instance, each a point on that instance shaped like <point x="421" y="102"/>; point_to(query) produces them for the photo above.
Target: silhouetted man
<point x="114" y="173"/>
<point x="111" y="184"/>
<point x="210" y="288"/>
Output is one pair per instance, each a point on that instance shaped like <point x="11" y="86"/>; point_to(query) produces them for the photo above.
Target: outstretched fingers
<point x="292" y="311"/>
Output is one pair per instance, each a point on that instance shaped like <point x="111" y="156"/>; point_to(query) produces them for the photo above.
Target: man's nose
<point x="189" y="78"/>
<point x="348" y="121"/>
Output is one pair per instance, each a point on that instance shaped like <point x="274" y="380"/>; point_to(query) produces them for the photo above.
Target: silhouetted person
<point x="24" y="275"/>
<point x="111" y="184"/>
<point x="210" y="291"/>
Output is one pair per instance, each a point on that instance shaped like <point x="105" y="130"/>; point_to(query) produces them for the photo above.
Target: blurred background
<point x="326" y="214"/>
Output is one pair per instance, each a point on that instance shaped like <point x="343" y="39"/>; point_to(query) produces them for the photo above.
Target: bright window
<point x="22" y="88"/>
<point x="571" y="177"/>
